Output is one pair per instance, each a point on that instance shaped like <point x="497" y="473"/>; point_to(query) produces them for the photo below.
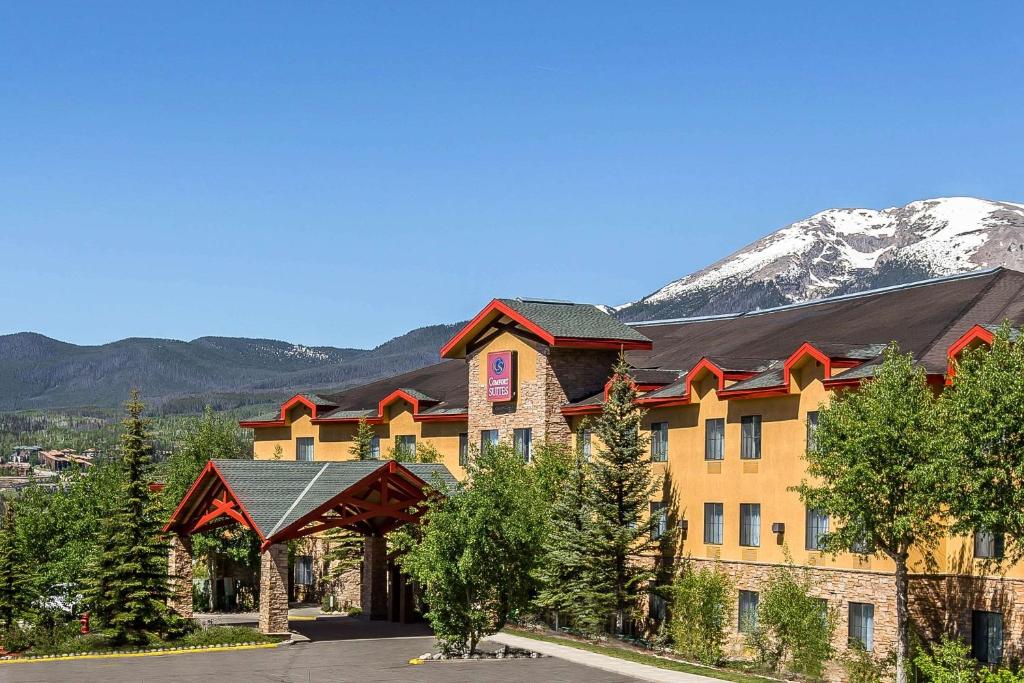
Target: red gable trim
<point x="497" y="309"/>
<point x="285" y="407"/>
<point x="977" y="333"/>
<point x="397" y="395"/>
<point x="211" y="471"/>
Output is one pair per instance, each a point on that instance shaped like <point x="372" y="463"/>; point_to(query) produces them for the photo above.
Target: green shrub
<point x="15" y="638"/>
<point x="224" y="635"/>
<point x="354" y="611"/>
<point x="863" y="667"/>
<point x="794" y="629"/>
<point x="1001" y="676"/>
<point x="948" y="662"/>
<point x="701" y="606"/>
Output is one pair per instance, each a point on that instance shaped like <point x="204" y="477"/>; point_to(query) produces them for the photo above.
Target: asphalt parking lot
<point x="353" y="659"/>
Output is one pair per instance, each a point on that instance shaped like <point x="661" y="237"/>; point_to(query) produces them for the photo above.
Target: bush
<point x="862" y="667"/>
<point x="701" y="606"/>
<point x="354" y="611"/>
<point x="224" y="635"/>
<point x="794" y="629"/>
<point x="949" y="662"/>
<point x="15" y="639"/>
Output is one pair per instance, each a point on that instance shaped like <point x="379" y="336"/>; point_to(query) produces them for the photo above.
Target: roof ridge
<point x="828" y="299"/>
<point x="300" y="497"/>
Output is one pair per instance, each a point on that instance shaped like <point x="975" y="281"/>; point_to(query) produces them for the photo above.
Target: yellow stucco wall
<point x="334" y="441"/>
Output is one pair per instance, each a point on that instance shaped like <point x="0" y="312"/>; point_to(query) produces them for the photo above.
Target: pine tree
<point x="14" y="589"/>
<point x="562" y="573"/>
<point x="619" y="491"/>
<point x="362" y="445"/>
<point x="129" y="586"/>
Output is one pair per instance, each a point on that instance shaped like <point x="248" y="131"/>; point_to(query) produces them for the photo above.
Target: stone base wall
<point x="374" y="589"/>
<point x="939" y="605"/>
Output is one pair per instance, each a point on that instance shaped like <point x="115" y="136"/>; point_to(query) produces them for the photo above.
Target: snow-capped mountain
<point x="845" y="250"/>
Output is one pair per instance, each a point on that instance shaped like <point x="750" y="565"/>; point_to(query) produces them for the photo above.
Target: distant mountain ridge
<point x="39" y="372"/>
<point x="838" y="251"/>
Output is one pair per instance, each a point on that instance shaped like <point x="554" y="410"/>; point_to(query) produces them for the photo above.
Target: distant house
<point x="25" y="453"/>
<point x="56" y="461"/>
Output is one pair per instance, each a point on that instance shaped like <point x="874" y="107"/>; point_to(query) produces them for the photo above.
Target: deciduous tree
<point x="877" y="471"/>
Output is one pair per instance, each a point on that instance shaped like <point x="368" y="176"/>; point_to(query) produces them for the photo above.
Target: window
<point x="583" y="443"/>
<point x="488" y="437"/>
<point x="521" y="439"/>
<point x="988" y="544"/>
<point x="747" y="621"/>
<point x="303" y="570"/>
<point x="862" y="625"/>
<point x="713" y="523"/>
<point x="750" y="524"/>
<point x="817" y="527"/>
<point x="406" y="445"/>
<point x="375" y="448"/>
<point x="987" y="636"/>
<point x="812" y="426"/>
<point x="659" y="441"/>
<point x="750" y="445"/>
<point x="463" y="449"/>
<point x="657" y="606"/>
<point x="714" y="438"/>
<point x="304" y="448"/>
<point x="659" y="511"/>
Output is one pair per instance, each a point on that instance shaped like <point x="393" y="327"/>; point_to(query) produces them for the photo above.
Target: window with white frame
<point x="583" y="442"/>
<point x="375" y="447"/>
<point x="659" y="441"/>
<point x="714" y="438"/>
<point x="304" y="448"/>
<point x="862" y="625"/>
<point x="405" y="446"/>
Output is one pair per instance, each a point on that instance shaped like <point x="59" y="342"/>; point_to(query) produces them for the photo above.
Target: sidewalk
<point x="599" y="661"/>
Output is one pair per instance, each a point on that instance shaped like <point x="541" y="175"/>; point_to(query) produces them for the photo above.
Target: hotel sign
<point x="501" y="376"/>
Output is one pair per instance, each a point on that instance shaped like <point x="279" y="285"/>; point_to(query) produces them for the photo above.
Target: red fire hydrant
<point x="84" y="619"/>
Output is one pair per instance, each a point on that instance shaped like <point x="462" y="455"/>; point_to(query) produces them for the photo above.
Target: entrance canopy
<point x="280" y="501"/>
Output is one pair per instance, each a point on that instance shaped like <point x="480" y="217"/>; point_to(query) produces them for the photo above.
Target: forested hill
<point x="39" y="372"/>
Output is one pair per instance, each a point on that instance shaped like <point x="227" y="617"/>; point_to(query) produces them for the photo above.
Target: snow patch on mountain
<point x="841" y="250"/>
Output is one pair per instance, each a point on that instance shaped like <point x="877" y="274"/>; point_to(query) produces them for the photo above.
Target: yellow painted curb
<point x="151" y="653"/>
<point x="300" y="618"/>
<point x="416" y="660"/>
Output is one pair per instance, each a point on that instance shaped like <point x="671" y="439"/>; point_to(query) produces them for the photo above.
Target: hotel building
<point x="731" y="404"/>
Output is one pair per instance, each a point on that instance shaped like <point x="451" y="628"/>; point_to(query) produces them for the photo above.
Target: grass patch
<point x="632" y="655"/>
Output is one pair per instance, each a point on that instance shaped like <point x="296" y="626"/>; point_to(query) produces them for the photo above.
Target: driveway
<point x="352" y="659"/>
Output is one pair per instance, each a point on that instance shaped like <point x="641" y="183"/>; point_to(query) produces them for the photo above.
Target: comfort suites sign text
<point x="500" y="373"/>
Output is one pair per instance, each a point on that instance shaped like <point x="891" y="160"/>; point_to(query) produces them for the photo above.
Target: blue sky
<point x="338" y="173"/>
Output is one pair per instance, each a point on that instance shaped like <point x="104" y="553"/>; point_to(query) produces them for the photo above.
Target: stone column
<point x="179" y="575"/>
<point x="374" y="590"/>
<point x="274" y="589"/>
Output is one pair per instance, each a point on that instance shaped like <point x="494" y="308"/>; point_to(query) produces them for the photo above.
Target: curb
<point x="179" y="650"/>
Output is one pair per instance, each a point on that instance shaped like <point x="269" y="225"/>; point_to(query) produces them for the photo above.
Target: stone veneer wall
<point x="939" y="605"/>
<point x="562" y="375"/>
<point x="179" y="575"/>
<point x="274" y="589"/>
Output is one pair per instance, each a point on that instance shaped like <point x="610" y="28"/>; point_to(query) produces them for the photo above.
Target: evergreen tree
<point x="362" y="445"/>
<point x="562" y="573"/>
<point x="129" y="586"/>
<point x="14" y="590"/>
<point x="619" y="490"/>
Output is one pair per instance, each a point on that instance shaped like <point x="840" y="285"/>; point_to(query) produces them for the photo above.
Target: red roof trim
<point x="211" y="470"/>
<point x="977" y="333"/>
<point x="806" y="349"/>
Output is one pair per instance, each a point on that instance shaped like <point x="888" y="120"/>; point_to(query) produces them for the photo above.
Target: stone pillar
<point x="179" y="575"/>
<point x="374" y="590"/>
<point x="274" y="589"/>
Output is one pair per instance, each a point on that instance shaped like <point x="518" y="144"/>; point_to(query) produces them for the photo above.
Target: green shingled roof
<point x="579" y="321"/>
<point x="277" y="493"/>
